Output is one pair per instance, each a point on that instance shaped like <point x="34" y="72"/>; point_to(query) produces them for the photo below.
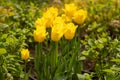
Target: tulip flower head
<point x="58" y="21"/>
<point x="25" y="54"/>
<point x="80" y="16"/>
<point x="40" y="22"/>
<point x="70" y="9"/>
<point x="66" y="18"/>
<point x="50" y="15"/>
<point x="70" y="31"/>
<point x="40" y="34"/>
<point x="58" y="29"/>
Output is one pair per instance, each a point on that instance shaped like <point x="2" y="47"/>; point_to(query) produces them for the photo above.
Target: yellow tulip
<point x="56" y="33"/>
<point x="40" y="34"/>
<point x="4" y="11"/>
<point x="57" y="29"/>
<point x="70" y="9"/>
<point x="80" y="16"/>
<point x="50" y="15"/>
<point x="11" y="13"/>
<point x="25" y="54"/>
<point x="58" y="21"/>
<point x="66" y="18"/>
<point x="70" y="31"/>
<point x="40" y="22"/>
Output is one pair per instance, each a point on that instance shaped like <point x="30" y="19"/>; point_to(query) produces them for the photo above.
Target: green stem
<point x="74" y="58"/>
<point x="38" y="62"/>
<point x="56" y="53"/>
<point x="1" y="67"/>
<point x="25" y="66"/>
<point x="53" y="58"/>
<point x="1" y="73"/>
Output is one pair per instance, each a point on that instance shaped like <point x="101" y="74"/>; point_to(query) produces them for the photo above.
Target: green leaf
<point x="4" y="36"/>
<point x="110" y="76"/>
<point x="11" y="56"/>
<point x="108" y="70"/>
<point x="59" y="77"/>
<point x="100" y="29"/>
<point x="85" y="53"/>
<point x="10" y="40"/>
<point x="3" y="26"/>
<point x="94" y="24"/>
<point x="102" y="40"/>
<point x="12" y="69"/>
<point x="91" y="42"/>
<point x="27" y="75"/>
<point x="116" y="60"/>
<point x="2" y="51"/>
<point x="81" y="58"/>
<point x="84" y="76"/>
<point x="100" y="46"/>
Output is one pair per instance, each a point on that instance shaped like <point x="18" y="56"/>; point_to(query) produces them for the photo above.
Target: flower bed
<point x="59" y="40"/>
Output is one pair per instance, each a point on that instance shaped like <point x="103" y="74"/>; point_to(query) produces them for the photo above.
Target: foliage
<point x="92" y="54"/>
<point x="16" y="27"/>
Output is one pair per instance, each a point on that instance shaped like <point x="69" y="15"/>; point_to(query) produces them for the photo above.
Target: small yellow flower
<point x="11" y="13"/>
<point x="80" y="16"/>
<point x="2" y="19"/>
<point x="70" y="31"/>
<point x="50" y="15"/>
<point x="70" y="9"/>
<point x="4" y="11"/>
<point x="58" y="29"/>
<point x="40" y="34"/>
<point x="25" y="54"/>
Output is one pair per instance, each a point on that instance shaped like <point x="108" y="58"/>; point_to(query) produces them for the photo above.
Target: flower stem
<point x="38" y="62"/>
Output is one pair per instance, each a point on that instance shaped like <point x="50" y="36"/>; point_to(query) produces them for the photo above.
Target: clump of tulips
<point x="59" y="25"/>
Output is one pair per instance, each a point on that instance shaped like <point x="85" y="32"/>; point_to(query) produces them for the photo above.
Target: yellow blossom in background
<point x="25" y="54"/>
<point x="40" y="22"/>
<point x="7" y="11"/>
<point x="40" y="34"/>
<point x="70" y="31"/>
<point x="58" y="29"/>
<point x="70" y="9"/>
<point x="4" y="11"/>
<point x="2" y="19"/>
<point x="11" y="13"/>
<point x="50" y="15"/>
<point x="80" y="16"/>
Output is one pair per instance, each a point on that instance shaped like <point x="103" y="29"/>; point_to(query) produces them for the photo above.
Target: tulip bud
<point x="70" y="9"/>
<point x="25" y="54"/>
<point x="80" y="16"/>
<point x="70" y="31"/>
<point x="40" y="34"/>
